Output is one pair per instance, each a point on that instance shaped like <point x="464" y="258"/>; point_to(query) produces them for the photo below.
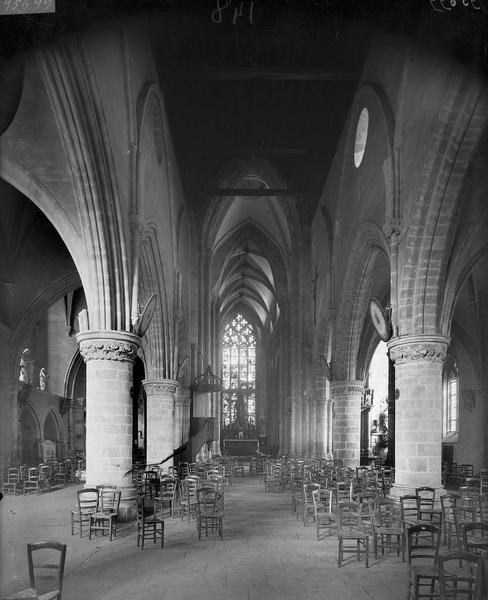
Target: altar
<point x="241" y="447"/>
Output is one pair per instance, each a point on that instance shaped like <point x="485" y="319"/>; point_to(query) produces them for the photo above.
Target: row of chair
<point x="41" y="478"/>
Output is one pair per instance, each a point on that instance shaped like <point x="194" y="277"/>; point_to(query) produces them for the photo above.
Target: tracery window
<point x="451" y="399"/>
<point x="239" y="379"/>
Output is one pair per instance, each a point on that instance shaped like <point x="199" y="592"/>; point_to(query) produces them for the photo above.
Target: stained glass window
<point x="239" y="377"/>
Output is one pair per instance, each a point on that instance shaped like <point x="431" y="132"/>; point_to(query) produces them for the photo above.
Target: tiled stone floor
<point x="266" y="554"/>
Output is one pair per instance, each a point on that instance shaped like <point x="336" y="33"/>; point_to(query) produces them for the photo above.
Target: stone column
<point x="160" y="428"/>
<point x="312" y="428"/>
<point x="418" y="410"/>
<point x="109" y="357"/>
<point x="320" y="428"/>
<point x="347" y="421"/>
<point x="329" y="425"/>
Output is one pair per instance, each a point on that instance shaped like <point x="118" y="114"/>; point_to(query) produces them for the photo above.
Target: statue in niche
<point x="43" y="377"/>
<point x="26" y="367"/>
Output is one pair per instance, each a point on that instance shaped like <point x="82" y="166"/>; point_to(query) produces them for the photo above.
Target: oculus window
<point x="361" y="137"/>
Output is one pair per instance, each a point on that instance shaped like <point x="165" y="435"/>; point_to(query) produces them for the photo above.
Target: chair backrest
<point x="87" y="500"/>
<point x="483" y="506"/>
<point x="349" y="517"/>
<point x="460" y="575"/>
<point x="423" y="543"/>
<point x="33" y="474"/>
<point x="217" y="481"/>
<point x="426" y="496"/>
<point x="385" y="512"/>
<point x="13" y="475"/>
<point x="45" y="572"/>
<point x="410" y="505"/>
<point x="141" y="508"/>
<point x="322" y="500"/>
<point x="308" y="488"/>
<point x="343" y="491"/>
<point x="189" y="489"/>
<point x="44" y="471"/>
<point x="109" y="500"/>
<point x="207" y="498"/>
<point x="477" y="530"/>
<point x="448" y="503"/>
<point x="463" y="514"/>
<point x="168" y="485"/>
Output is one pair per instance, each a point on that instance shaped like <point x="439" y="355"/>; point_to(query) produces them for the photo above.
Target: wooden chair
<point x="209" y="512"/>
<point x="342" y="492"/>
<point x="308" y="505"/>
<point x="483" y="480"/>
<point x="105" y="518"/>
<point x="296" y="486"/>
<point x="464" y="514"/>
<point x="150" y="483"/>
<point x="460" y="576"/>
<point x="45" y="477"/>
<point x="448" y="503"/>
<point x="33" y="481"/>
<point x="410" y="506"/>
<point x="351" y="531"/>
<point x="87" y="499"/>
<point x="322" y="506"/>
<point x="475" y="537"/>
<point x="388" y="531"/>
<point x="427" y="509"/>
<point x="13" y="483"/>
<point x="423" y="541"/>
<point x="148" y="525"/>
<point x="483" y="507"/>
<point x="166" y="499"/>
<point x="188" y="498"/>
<point x="218" y="483"/>
<point x="46" y="578"/>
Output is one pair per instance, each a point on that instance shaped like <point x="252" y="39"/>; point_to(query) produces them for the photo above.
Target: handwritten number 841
<point x="450" y="4"/>
<point x="243" y="10"/>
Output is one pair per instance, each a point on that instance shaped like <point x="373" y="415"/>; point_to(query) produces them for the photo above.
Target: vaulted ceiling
<point x="257" y="94"/>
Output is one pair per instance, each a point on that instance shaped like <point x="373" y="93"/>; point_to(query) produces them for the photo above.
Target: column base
<point x="128" y="502"/>
<point x="398" y="490"/>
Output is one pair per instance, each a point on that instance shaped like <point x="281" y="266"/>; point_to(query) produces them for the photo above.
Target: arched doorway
<point x="139" y="414"/>
<point x="52" y="438"/>
<point x="30" y="437"/>
<point x="374" y="407"/>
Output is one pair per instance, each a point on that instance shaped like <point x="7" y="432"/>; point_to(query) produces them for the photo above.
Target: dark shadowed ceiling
<point x="265" y="84"/>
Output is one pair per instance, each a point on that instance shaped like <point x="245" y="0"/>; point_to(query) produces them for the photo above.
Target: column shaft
<point x="418" y="410"/>
<point x="347" y="421"/>
<point x="160" y="431"/>
<point x="109" y="357"/>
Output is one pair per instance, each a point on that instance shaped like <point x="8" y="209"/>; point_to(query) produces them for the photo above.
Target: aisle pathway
<point x="266" y="554"/>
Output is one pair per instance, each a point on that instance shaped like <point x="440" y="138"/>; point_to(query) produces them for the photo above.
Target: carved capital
<point x="160" y="387"/>
<point x="393" y="227"/>
<point x="108" y="345"/>
<point x="347" y="388"/>
<point x="418" y="348"/>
